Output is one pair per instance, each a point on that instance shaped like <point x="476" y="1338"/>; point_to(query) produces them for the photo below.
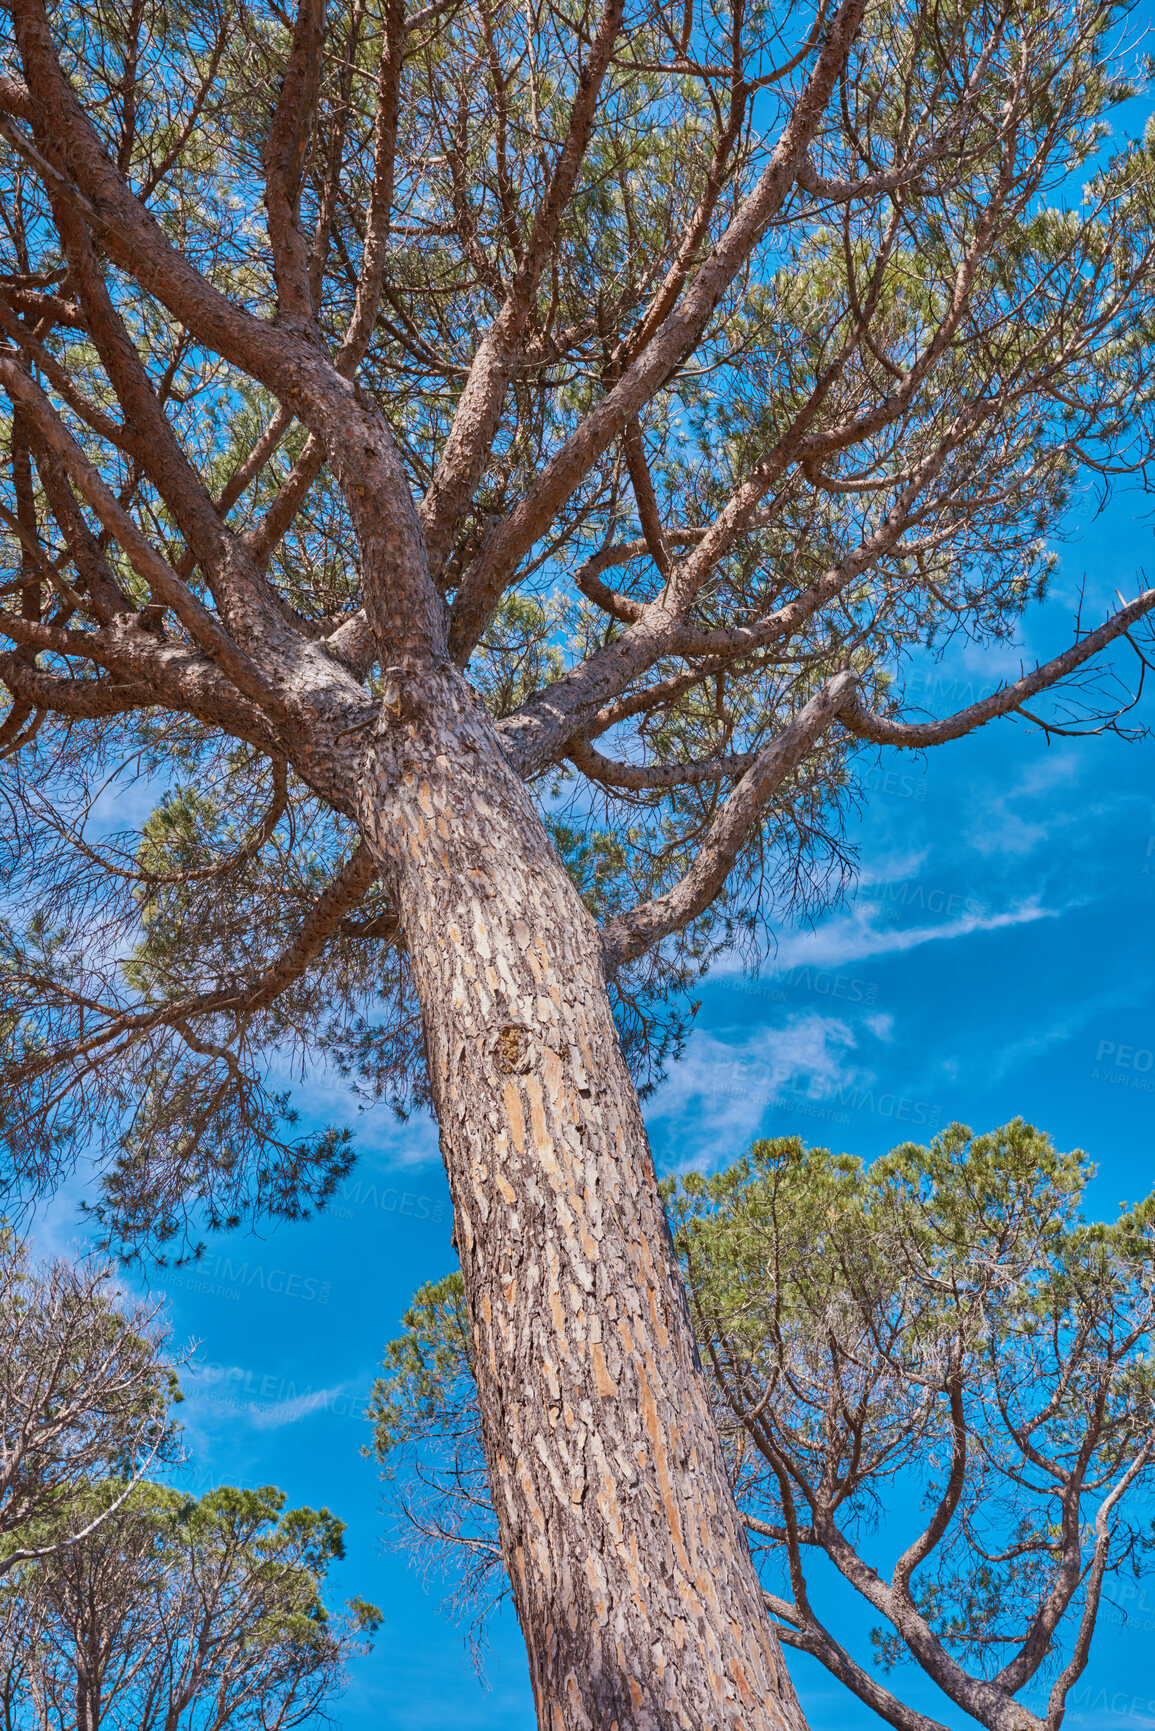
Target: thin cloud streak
<point x="854" y="937"/>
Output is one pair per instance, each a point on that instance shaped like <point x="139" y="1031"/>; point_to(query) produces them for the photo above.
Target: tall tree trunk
<point x="631" y="1575"/>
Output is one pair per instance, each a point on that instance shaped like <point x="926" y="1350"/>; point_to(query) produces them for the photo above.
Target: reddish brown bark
<point x="632" y="1579"/>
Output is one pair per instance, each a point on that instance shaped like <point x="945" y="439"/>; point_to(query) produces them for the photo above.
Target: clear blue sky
<point x="996" y="960"/>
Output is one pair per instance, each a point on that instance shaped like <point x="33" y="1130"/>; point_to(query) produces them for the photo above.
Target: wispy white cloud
<point x="1027" y="814"/>
<point x="715" y="1098"/>
<point x="124" y="802"/>
<point x="55" y="1224"/>
<point x="892" y="868"/>
<point x="853" y="936"/>
<point x="1091" y="1012"/>
<point x="1105" y="1714"/>
<point x="323" y="1096"/>
<point x="291" y="1411"/>
<point x="995" y="661"/>
<point x="222" y="1396"/>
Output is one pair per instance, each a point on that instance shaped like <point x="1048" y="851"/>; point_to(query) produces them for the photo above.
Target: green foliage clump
<point x="939" y="1348"/>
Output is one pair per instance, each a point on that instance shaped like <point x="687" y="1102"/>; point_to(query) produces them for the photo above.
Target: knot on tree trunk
<point x="513" y="1049"/>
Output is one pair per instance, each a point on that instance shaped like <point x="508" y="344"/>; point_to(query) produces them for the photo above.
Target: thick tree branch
<point x="103" y="425"/>
<point x="645" y="375"/>
<point x="145" y="672"/>
<point x="374" y="252"/>
<point x="638" y="777"/>
<point x="44" y="306"/>
<point x="287" y="361"/>
<point x="105" y="597"/>
<point x="266" y="536"/>
<point x="587" y="577"/>
<point x="628" y="934"/>
<point x="921" y="1547"/>
<point x="285" y="154"/>
<point x="543" y="725"/>
<point x="79" y="699"/>
<point x="162" y="580"/>
<point x="812" y="1638"/>
<point x="1080" y="1653"/>
<point x="343" y="892"/>
<point x="975" y="1695"/>
<point x="246" y="604"/>
<point x="478" y="411"/>
<point x="646" y="499"/>
<point x="14" y="97"/>
<point x="915" y="735"/>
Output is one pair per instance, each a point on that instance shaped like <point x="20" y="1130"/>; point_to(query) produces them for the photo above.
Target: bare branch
<point x="563" y="473"/>
<point x="627" y="935"/>
<point x="285" y="150"/>
<point x="864" y="724"/>
<point x="479" y="407"/>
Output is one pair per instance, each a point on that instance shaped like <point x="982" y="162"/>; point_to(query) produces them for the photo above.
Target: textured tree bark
<point x="631" y="1575"/>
